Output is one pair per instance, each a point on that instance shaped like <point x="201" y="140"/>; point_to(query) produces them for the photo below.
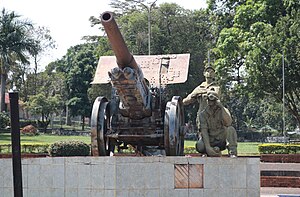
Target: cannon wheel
<point x="174" y="127"/>
<point x="99" y="123"/>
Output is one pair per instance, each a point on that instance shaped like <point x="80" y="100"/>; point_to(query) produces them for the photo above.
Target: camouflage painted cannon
<point x="137" y="114"/>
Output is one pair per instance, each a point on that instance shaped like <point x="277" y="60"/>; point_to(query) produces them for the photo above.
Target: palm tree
<point x="16" y="43"/>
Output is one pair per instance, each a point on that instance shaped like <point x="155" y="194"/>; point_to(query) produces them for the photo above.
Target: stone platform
<point x="134" y="177"/>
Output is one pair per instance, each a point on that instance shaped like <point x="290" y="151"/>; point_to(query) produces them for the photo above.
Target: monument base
<point x="135" y="176"/>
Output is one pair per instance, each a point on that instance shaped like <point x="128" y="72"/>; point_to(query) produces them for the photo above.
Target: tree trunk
<point x="35" y="75"/>
<point x="2" y="92"/>
<point x="82" y="126"/>
<point x="68" y="118"/>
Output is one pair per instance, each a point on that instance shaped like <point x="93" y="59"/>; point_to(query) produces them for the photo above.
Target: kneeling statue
<point x="216" y="133"/>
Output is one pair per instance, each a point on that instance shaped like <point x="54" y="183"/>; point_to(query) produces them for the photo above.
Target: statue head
<point x="209" y="74"/>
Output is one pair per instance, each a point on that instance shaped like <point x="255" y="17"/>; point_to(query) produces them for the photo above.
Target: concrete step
<point x="280" y="175"/>
<point x="279" y="166"/>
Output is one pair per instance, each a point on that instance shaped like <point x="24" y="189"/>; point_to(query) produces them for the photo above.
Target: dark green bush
<point x="279" y="148"/>
<point x="69" y="148"/>
<point x="4" y="120"/>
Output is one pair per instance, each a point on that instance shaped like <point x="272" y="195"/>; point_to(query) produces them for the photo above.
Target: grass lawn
<point x="42" y="139"/>
<point x="244" y="148"/>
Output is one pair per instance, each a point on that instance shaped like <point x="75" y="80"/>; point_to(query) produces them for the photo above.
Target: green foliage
<point x="26" y="148"/>
<point x="4" y="120"/>
<point x="24" y="123"/>
<point x="279" y="148"/>
<point x="69" y="148"/>
<point x="44" y="106"/>
<point x="99" y="90"/>
<point x="16" y="43"/>
<point x="190" y="150"/>
<point x="250" y="53"/>
<point x="78" y="67"/>
<point x="43" y="138"/>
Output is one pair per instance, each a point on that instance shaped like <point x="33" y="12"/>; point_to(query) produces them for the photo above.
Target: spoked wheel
<point x="100" y="120"/>
<point x="174" y="127"/>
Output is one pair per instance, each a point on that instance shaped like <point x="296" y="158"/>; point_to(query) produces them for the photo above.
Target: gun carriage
<point x="137" y="114"/>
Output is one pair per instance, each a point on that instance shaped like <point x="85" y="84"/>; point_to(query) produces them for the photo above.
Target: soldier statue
<point x="213" y="119"/>
<point x="216" y="132"/>
<point x="199" y="94"/>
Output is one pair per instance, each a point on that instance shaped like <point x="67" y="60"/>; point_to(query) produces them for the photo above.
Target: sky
<point x="68" y="20"/>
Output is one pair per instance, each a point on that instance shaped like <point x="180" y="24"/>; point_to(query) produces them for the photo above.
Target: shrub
<point x="34" y="148"/>
<point x="4" y="120"/>
<point x="190" y="150"/>
<point x="279" y="148"/>
<point x="29" y="130"/>
<point x="69" y="148"/>
<point x="26" y="148"/>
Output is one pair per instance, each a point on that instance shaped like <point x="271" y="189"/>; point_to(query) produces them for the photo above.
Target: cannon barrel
<point x="124" y="57"/>
<point x="127" y="78"/>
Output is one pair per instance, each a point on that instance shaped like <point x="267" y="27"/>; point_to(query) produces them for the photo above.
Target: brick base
<point x="279" y="181"/>
<point x="282" y="158"/>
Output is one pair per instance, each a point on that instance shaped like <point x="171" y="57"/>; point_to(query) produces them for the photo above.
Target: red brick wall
<point x="279" y="181"/>
<point x="282" y="158"/>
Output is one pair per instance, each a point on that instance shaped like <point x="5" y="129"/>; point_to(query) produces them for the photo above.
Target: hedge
<point x="190" y="150"/>
<point x="45" y="148"/>
<point x="26" y="148"/>
<point x="69" y="148"/>
<point x="62" y="148"/>
<point x="279" y="148"/>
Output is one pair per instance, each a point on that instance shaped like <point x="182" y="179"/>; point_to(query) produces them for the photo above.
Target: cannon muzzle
<point x="123" y="56"/>
<point x="127" y="78"/>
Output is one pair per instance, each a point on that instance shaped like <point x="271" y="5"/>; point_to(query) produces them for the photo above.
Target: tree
<point x="80" y="64"/>
<point x="15" y="42"/>
<point x="126" y="6"/>
<point x="264" y="36"/>
<point x="19" y="79"/>
<point x="43" y="42"/>
<point x="44" y="106"/>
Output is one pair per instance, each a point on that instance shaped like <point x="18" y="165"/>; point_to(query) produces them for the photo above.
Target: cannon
<point x="137" y="114"/>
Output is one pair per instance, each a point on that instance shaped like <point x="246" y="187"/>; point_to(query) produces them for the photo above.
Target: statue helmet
<point x="208" y="67"/>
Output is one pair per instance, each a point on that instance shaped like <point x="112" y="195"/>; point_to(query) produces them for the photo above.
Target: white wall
<point x="130" y="177"/>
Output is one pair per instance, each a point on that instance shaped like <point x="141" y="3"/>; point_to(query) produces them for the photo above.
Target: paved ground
<point x="279" y="191"/>
<point x="276" y="191"/>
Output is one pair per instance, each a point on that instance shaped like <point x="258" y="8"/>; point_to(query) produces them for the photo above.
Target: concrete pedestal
<point x="134" y="177"/>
